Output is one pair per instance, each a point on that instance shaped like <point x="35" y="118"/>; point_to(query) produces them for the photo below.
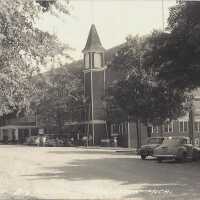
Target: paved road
<point x="34" y="173"/>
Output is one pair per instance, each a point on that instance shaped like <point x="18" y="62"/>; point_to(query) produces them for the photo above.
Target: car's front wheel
<point x="181" y="156"/>
<point x="143" y="157"/>
<point x="159" y="160"/>
<point x="195" y="155"/>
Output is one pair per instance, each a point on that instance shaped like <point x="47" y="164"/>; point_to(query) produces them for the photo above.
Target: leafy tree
<point x="54" y="6"/>
<point x="141" y="94"/>
<point x="178" y="55"/>
<point x="133" y="48"/>
<point x="180" y="52"/>
<point x="24" y="48"/>
<point x="149" y="103"/>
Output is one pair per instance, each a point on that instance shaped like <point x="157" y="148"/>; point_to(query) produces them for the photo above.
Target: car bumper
<point x="145" y="152"/>
<point x="164" y="156"/>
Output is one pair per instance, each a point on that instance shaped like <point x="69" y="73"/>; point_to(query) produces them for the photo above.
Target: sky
<point x="114" y="20"/>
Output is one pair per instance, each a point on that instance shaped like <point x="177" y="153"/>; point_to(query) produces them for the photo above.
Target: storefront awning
<point x="15" y="127"/>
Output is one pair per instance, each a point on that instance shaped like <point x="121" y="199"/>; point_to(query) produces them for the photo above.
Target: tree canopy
<point x="61" y="90"/>
<point x="24" y="48"/>
<point x="162" y="68"/>
<point x="141" y="94"/>
<point x="180" y="52"/>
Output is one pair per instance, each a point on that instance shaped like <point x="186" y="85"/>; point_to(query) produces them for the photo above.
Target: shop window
<point x="154" y="129"/>
<point x="123" y="128"/>
<point x="115" y="129"/>
<point x="197" y="126"/>
<point x="196" y="141"/>
<point x="149" y="131"/>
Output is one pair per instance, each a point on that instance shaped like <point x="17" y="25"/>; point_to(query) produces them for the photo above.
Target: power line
<point x="92" y="11"/>
<point x="163" y="16"/>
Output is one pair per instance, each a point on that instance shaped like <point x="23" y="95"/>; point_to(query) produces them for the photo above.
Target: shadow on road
<point x="18" y="197"/>
<point x="26" y="197"/>
<point x="148" y="179"/>
<point x="89" y="152"/>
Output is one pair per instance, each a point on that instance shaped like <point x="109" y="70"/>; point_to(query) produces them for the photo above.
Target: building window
<point x="154" y="129"/>
<point x="197" y="126"/>
<point x="196" y="142"/>
<point x="183" y="126"/>
<point x="122" y="128"/>
<point x="115" y="129"/>
<point x="168" y="127"/>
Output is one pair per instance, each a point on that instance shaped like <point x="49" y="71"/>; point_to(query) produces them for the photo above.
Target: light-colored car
<point x="31" y="140"/>
<point x="177" y="148"/>
<point x="151" y="144"/>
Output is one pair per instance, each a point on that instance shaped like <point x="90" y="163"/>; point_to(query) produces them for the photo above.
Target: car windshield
<point x="154" y="141"/>
<point x="174" y="141"/>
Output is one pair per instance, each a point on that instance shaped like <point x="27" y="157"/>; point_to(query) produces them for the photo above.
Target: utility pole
<point x="36" y="119"/>
<point x="92" y="109"/>
<point x="128" y="131"/>
<point x="138" y="132"/>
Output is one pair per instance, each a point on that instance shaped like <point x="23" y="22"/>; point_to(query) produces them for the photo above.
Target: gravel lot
<point x="77" y="173"/>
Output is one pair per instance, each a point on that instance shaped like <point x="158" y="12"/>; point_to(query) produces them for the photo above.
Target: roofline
<point x="94" y="51"/>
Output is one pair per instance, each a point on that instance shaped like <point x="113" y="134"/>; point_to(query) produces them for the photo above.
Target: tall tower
<point x="94" y="86"/>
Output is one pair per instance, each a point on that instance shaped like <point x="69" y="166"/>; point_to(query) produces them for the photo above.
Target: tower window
<point x="87" y="61"/>
<point x="97" y="60"/>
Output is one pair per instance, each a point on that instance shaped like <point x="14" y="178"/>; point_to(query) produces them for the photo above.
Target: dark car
<point x="176" y="148"/>
<point x="151" y="144"/>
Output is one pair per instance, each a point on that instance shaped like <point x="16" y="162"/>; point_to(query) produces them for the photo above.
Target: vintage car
<point x="31" y="140"/>
<point x="52" y="141"/>
<point x="151" y="144"/>
<point x="176" y="148"/>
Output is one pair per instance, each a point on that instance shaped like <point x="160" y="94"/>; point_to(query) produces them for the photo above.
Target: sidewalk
<point x="110" y="149"/>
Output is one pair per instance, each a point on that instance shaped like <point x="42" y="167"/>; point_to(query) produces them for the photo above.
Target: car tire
<point x="195" y="156"/>
<point x="159" y="160"/>
<point x="181" y="156"/>
<point x="143" y="157"/>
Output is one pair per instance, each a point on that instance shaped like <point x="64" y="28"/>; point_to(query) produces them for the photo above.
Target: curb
<point x="111" y="149"/>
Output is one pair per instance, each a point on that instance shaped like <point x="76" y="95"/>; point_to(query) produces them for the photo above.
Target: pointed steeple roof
<point x="93" y="41"/>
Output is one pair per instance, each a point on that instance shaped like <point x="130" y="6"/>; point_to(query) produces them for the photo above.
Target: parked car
<point x="151" y="144"/>
<point x="105" y="142"/>
<point x="53" y="141"/>
<point x="176" y="148"/>
<point x="31" y="140"/>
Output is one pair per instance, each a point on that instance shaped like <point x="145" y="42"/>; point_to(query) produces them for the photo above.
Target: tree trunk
<point x="59" y="121"/>
<point x="161" y="130"/>
<point x="138" y="133"/>
<point x="191" y="125"/>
